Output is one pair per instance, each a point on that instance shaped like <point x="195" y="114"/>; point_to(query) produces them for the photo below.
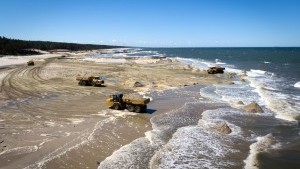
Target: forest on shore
<point x="24" y="47"/>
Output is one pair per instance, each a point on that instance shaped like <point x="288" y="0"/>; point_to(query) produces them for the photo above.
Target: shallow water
<point x="178" y="138"/>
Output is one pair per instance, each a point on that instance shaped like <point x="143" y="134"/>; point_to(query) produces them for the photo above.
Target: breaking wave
<point x="263" y="144"/>
<point x="297" y="85"/>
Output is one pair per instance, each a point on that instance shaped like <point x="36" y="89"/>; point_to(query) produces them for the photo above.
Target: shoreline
<point x="56" y="112"/>
<point x="49" y="121"/>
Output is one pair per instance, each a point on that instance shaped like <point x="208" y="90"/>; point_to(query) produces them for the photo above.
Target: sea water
<point x="179" y="138"/>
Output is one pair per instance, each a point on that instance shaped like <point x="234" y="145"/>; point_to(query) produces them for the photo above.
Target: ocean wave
<point x="259" y="73"/>
<point x="232" y="93"/>
<point x="137" y="154"/>
<point x="132" y="53"/>
<point x="218" y="62"/>
<point x="197" y="63"/>
<point x="297" y="85"/>
<point x="263" y="144"/>
<point x="275" y="100"/>
<point x="256" y="73"/>
<point x="262" y="87"/>
<point x="194" y="147"/>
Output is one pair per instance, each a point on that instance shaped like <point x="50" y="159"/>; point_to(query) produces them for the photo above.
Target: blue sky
<point x="154" y="23"/>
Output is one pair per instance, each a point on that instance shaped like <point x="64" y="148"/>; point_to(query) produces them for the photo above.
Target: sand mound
<point x="138" y="84"/>
<point x="217" y="125"/>
<point x="240" y="102"/>
<point x="253" y="108"/>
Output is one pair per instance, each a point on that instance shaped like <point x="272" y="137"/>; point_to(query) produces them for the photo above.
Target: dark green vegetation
<point x="22" y="47"/>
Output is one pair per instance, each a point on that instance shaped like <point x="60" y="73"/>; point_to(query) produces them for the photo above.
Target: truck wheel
<point x="138" y="109"/>
<point x="83" y="83"/>
<point x="130" y="108"/>
<point x="116" y="106"/>
<point x="144" y="108"/>
<point x="93" y="83"/>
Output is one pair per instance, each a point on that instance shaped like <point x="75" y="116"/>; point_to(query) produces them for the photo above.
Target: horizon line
<point x="125" y="46"/>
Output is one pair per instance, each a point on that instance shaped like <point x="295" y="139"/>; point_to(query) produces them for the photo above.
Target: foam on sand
<point x="21" y="150"/>
<point x="76" y="120"/>
<point x="83" y="138"/>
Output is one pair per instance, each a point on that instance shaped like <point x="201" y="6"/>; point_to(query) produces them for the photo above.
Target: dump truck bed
<point x="86" y="78"/>
<point x="137" y="102"/>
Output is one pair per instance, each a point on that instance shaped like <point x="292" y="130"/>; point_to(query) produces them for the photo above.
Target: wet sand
<point x="48" y="121"/>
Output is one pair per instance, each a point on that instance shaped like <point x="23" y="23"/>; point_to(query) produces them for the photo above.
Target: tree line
<point x="22" y="47"/>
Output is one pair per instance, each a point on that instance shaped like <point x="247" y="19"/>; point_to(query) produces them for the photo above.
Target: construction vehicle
<point x="132" y="104"/>
<point x="215" y="70"/>
<point x="90" y="81"/>
<point x="30" y="63"/>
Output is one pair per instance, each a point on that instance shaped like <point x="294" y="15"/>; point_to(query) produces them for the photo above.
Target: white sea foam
<point x="238" y="92"/>
<point x="76" y="120"/>
<point x="297" y="85"/>
<point x="233" y="70"/>
<point x="273" y="98"/>
<point x="115" y="113"/>
<point x="218" y="62"/>
<point x="193" y="147"/>
<point x="255" y="73"/>
<point x="263" y="89"/>
<point x="197" y="63"/>
<point x="263" y="144"/>
<point x="137" y="154"/>
<point x="188" y="147"/>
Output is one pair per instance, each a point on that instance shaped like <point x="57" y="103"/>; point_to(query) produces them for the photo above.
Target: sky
<point x="155" y="23"/>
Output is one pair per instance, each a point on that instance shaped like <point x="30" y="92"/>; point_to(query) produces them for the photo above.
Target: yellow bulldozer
<point x="129" y="102"/>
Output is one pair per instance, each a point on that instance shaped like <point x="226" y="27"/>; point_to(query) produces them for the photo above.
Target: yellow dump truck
<point x="215" y="70"/>
<point x="129" y="102"/>
<point x="90" y="81"/>
<point x="30" y="63"/>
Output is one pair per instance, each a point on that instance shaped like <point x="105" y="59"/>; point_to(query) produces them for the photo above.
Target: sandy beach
<point x="149" y="84"/>
<point x="49" y="121"/>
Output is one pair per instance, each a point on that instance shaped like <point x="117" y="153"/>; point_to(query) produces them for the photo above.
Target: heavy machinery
<point x="129" y="102"/>
<point x="90" y="81"/>
<point x="215" y="70"/>
<point x="30" y="63"/>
